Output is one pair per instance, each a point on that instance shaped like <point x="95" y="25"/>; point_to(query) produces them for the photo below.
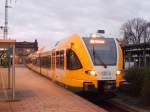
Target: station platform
<point x="35" y="93"/>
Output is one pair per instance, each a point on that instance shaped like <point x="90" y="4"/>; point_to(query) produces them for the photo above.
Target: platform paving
<point x="35" y="93"/>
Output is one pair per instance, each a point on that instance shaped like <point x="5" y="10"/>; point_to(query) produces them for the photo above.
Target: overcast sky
<point x="51" y="20"/>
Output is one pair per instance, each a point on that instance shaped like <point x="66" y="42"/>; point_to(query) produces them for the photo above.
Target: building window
<point x="73" y="61"/>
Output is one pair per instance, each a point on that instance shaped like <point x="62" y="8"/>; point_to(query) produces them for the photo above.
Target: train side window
<point x="61" y="60"/>
<point x="38" y="61"/>
<point x="45" y="62"/>
<point x="41" y="62"/>
<point x="73" y="61"/>
<point x="57" y="59"/>
<point x="49" y="62"/>
<point x="53" y="60"/>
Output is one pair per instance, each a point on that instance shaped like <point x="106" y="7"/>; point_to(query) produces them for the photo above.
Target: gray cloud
<point x="51" y="20"/>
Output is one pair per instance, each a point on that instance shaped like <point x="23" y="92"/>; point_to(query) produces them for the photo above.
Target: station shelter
<point x="7" y="69"/>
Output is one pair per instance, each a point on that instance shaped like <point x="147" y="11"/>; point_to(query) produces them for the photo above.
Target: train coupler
<point x="88" y="86"/>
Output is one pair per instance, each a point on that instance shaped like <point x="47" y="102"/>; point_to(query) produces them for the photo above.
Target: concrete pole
<point x="6" y="20"/>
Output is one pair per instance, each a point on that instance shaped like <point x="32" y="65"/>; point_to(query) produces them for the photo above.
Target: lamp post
<point x="6" y="19"/>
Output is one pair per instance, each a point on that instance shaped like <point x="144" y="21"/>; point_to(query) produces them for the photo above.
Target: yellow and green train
<point x="82" y="64"/>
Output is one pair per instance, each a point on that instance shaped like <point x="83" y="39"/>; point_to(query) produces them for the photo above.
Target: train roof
<point x="66" y="43"/>
<point x="47" y="53"/>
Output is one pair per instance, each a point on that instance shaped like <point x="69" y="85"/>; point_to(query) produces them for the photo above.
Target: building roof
<point x="26" y="44"/>
<point x="5" y="42"/>
<point x="141" y="45"/>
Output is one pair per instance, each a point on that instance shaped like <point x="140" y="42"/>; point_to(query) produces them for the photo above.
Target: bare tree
<point x="133" y="31"/>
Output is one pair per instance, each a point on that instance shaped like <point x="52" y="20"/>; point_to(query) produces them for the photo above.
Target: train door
<point x="53" y="65"/>
<point x="50" y="66"/>
<point x="59" y="65"/>
<point x="73" y="65"/>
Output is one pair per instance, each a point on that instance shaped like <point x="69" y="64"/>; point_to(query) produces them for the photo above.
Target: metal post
<point x="40" y="63"/>
<point x="13" y="74"/>
<point x="9" y="65"/>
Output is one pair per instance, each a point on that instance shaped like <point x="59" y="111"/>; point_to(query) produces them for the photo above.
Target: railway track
<point x="105" y="103"/>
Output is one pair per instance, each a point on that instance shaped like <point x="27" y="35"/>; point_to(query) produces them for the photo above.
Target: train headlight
<point x="118" y="72"/>
<point x="91" y="72"/>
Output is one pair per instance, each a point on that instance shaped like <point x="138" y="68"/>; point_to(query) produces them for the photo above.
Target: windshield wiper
<point x="105" y="66"/>
<point x="94" y="55"/>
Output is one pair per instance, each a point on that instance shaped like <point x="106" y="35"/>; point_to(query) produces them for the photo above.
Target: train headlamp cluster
<point x="118" y="72"/>
<point x="91" y="72"/>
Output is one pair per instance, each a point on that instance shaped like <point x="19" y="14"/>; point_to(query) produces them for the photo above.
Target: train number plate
<point x="106" y="74"/>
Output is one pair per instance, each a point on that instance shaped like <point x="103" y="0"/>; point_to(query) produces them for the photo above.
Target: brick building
<point x="23" y="49"/>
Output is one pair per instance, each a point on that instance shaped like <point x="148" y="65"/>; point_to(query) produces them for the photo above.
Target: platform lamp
<point x="2" y="28"/>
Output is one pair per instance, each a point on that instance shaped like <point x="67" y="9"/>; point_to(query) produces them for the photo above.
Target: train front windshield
<point x="102" y="52"/>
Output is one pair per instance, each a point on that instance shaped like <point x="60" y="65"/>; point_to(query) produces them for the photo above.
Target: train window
<point x="38" y="62"/>
<point x="57" y="59"/>
<point x="102" y="54"/>
<point x="49" y="61"/>
<point x="45" y="61"/>
<point x="61" y="60"/>
<point x="41" y="61"/>
<point x="73" y="61"/>
<point x="33" y="61"/>
<point x="53" y="60"/>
